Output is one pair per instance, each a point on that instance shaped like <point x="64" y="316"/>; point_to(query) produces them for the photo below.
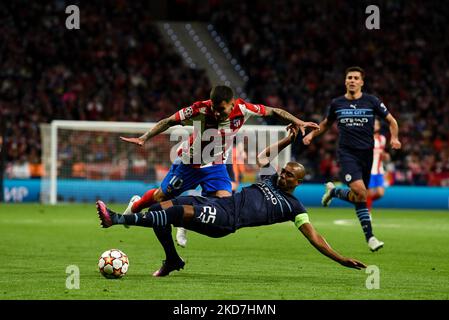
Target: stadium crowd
<point x="296" y="52"/>
<point x="116" y="67"/>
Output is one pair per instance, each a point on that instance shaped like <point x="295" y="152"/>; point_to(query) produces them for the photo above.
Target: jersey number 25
<point x="208" y="215"/>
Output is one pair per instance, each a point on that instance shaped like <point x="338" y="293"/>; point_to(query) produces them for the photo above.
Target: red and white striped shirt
<point x="201" y="111"/>
<point x="379" y="149"/>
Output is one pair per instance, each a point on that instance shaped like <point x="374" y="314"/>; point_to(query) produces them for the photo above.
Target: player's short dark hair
<point x="221" y="93"/>
<point x="357" y="69"/>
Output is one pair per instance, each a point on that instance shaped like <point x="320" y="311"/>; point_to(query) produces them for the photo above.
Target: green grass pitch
<point x="38" y="242"/>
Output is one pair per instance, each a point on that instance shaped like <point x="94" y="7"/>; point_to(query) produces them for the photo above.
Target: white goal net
<point x="86" y="160"/>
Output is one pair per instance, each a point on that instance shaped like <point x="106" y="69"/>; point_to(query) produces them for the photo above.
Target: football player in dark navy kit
<point x="268" y="202"/>
<point x="355" y="113"/>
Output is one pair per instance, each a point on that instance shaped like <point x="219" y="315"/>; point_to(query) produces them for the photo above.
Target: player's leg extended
<point x="360" y="195"/>
<point x="167" y="190"/>
<point x="160" y="219"/>
<point x="356" y="172"/>
<point x="344" y="194"/>
<point x="137" y="204"/>
<point x="157" y="218"/>
<point x="353" y="167"/>
<point x="363" y="214"/>
<point x="164" y="234"/>
<point x="179" y="179"/>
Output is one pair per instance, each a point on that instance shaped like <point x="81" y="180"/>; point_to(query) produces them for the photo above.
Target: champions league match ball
<point x="113" y="264"/>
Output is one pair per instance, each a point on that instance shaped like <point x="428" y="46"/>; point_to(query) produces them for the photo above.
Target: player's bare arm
<point x="322" y="246"/>
<point x="323" y="127"/>
<point x="394" y="131"/>
<point x="160" y="127"/>
<point x="285" y="115"/>
<point x="270" y="152"/>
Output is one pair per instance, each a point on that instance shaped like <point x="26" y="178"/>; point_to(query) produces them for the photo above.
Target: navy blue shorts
<point x="214" y="217"/>
<point x="377" y="180"/>
<point x="355" y="165"/>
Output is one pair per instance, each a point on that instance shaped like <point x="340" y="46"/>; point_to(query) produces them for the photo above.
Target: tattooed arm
<point x="160" y="127"/>
<point x="286" y="116"/>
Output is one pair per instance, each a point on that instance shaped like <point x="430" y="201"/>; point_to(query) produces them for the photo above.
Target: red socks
<point x="145" y="202"/>
<point x="369" y="203"/>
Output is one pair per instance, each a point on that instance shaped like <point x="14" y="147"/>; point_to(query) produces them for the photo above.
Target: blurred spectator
<point x="114" y="68"/>
<point x="296" y="52"/>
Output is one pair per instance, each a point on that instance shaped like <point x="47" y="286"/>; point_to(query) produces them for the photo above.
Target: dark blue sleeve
<point x="379" y="107"/>
<point x="330" y="112"/>
<point x="301" y="208"/>
<point x="298" y="208"/>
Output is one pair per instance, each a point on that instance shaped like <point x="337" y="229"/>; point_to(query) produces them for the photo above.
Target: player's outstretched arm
<point x="285" y="115"/>
<point x="322" y="246"/>
<point x="270" y="152"/>
<point x="160" y="127"/>
<point x="394" y="131"/>
<point x="324" y="126"/>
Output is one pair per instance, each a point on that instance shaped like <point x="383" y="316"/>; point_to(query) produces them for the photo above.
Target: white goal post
<point x="86" y="159"/>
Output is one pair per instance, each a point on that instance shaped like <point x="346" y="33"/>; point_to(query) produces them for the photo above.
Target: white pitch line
<point x="349" y="222"/>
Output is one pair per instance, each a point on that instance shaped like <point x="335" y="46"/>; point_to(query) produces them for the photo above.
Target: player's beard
<point x="281" y="182"/>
